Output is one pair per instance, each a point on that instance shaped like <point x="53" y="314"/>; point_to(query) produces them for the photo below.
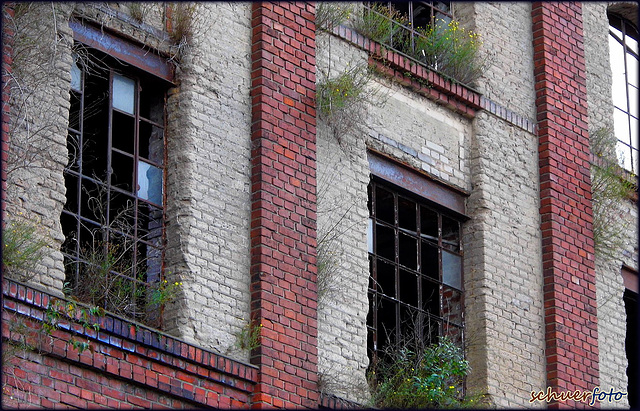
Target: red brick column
<point x="283" y="216"/>
<point x="565" y="198"/>
<point x="7" y="61"/>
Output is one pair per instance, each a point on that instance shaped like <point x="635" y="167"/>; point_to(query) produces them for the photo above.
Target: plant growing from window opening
<point x="381" y="23"/>
<point x="450" y="49"/>
<point x="412" y="377"/>
<point x="106" y="280"/>
<point x="443" y="46"/>
<point x="610" y="188"/>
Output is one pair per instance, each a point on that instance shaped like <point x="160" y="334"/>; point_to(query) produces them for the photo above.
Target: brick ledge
<point x="122" y="347"/>
<point x="409" y="73"/>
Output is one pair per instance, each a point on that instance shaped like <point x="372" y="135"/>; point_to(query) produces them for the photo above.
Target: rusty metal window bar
<point x="113" y="219"/>
<point x="623" y="46"/>
<point x="416" y="14"/>
<point x="415" y="260"/>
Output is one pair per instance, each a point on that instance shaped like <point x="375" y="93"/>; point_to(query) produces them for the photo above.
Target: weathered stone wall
<point x="610" y="288"/>
<point x="208" y="206"/>
<point x="503" y="272"/>
<point x="39" y="94"/>
<point x="343" y="176"/>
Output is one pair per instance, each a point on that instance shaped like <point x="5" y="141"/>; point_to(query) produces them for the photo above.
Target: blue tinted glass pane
<point x="149" y="182"/>
<point x="123" y="93"/>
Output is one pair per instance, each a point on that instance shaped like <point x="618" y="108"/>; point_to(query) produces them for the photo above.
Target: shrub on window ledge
<point x="443" y="46"/>
<point x="431" y="377"/>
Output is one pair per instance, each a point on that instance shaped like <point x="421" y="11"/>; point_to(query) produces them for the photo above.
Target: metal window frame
<point x="628" y="30"/>
<point x="375" y="295"/>
<point x="75" y="254"/>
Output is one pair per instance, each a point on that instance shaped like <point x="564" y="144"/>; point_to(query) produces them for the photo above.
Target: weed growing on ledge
<point x="443" y="46"/>
<point x="342" y="100"/>
<point x="381" y="23"/>
<point x="609" y="189"/>
<point x="330" y="15"/>
<point x="449" y="49"/>
<point x="248" y="337"/>
<point x="22" y="249"/>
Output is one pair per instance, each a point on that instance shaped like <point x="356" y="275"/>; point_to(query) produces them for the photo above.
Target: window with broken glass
<point x="623" y="46"/>
<point x="113" y="216"/>
<point x="415" y="259"/>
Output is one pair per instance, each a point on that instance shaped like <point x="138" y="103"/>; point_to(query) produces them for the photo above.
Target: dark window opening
<point x="113" y="217"/>
<point x="415" y="260"/>
<point x="623" y="48"/>
<point x="631" y="299"/>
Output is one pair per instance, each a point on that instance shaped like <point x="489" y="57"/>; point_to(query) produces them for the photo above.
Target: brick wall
<point x="283" y="204"/>
<point x="565" y="192"/>
<point x="127" y="365"/>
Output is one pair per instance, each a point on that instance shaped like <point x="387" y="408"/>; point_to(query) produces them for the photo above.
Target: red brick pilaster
<point x="7" y="61"/>
<point x="565" y="198"/>
<point x="283" y="204"/>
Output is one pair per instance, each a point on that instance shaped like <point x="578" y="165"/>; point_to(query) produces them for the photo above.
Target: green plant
<point x="610" y="187"/>
<point x="329" y="15"/>
<point x="22" y="249"/>
<point x="337" y="93"/>
<point x="70" y="310"/>
<point x="450" y="49"/>
<point x="342" y="100"/>
<point x="162" y="292"/>
<point x="381" y="23"/>
<point x="107" y="278"/>
<point x="429" y="377"/>
<point x="248" y="338"/>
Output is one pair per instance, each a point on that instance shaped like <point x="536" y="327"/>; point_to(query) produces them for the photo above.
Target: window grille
<point x="113" y="216"/>
<point x="415" y="260"/>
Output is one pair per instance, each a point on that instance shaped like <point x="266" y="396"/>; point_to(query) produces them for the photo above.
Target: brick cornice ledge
<point x="411" y="74"/>
<point x="141" y="354"/>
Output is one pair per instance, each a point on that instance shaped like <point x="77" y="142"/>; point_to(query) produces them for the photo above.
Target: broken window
<point x="415" y="260"/>
<point x="113" y="216"/>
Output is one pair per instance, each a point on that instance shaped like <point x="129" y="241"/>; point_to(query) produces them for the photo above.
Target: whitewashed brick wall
<point x="504" y="310"/>
<point x="208" y="206"/>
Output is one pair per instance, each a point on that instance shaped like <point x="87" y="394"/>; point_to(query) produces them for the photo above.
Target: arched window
<point x="623" y="46"/>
